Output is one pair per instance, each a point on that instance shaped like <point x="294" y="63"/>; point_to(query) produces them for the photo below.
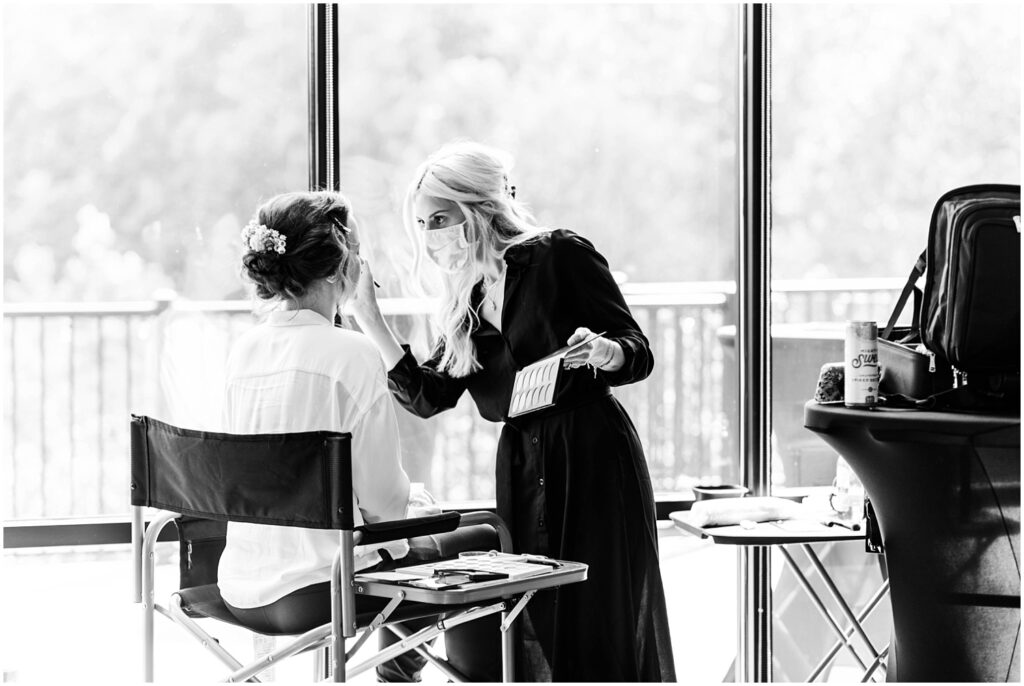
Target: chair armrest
<point x="495" y="522"/>
<point x="143" y="544"/>
<point x="381" y="532"/>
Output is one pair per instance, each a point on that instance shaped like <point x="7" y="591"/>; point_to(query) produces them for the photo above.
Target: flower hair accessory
<point x="258" y="238"/>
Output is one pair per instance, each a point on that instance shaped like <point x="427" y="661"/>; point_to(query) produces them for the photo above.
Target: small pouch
<point x="908" y="371"/>
<point x="830" y="383"/>
<point x="201" y="542"/>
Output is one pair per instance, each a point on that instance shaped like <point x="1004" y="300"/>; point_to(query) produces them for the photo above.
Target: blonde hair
<point x="474" y="177"/>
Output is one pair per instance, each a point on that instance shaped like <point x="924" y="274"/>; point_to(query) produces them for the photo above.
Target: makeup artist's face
<point x="436" y="213"/>
<point x="444" y="232"/>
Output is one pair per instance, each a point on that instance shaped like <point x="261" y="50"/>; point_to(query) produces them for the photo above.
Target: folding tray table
<point x="509" y="596"/>
<point x="567" y="573"/>
<point x="803" y="532"/>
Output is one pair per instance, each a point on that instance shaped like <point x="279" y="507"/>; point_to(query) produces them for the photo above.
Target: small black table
<point x="945" y="488"/>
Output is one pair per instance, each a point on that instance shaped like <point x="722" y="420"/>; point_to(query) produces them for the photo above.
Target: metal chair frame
<point x="330" y="638"/>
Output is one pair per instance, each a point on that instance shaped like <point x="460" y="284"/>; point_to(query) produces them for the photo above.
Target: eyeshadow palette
<point x="535" y="384"/>
<point x="534" y="387"/>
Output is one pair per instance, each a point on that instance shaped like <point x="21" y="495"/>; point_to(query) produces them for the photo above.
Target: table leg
<point x="876" y="664"/>
<point x="848" y="633"/>
<point x="837" y="596"/>
<point x="816" y="599"/>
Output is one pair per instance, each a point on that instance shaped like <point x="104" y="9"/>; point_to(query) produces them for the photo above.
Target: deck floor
<point x="68" y="616"/>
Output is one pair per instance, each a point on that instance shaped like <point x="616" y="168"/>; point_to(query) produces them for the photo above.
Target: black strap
<point x="961" y="399"/>
<point x="911" y="287"/>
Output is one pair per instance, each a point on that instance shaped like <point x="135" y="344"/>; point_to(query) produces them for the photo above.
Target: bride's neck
<point x="321" y="299"/>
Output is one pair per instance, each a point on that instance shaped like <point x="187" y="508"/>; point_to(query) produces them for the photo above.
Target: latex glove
<point x="600" y="353"/>
<point x="364" y="301"/>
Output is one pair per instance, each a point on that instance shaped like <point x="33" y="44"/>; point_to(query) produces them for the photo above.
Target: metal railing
<point x="76" y="371"/>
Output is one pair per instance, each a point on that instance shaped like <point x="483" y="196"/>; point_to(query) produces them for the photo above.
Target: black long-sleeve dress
<point x="572" y="480"/>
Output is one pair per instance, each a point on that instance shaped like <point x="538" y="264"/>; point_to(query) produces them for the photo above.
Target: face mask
<point x="448" y="247"/>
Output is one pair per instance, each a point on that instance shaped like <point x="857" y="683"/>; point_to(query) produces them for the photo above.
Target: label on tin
<point x="860" y="382"/>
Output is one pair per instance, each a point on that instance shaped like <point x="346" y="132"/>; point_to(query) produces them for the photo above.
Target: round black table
<point x="945" y="488"/>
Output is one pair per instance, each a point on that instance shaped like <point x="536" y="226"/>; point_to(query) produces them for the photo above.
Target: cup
<point x="847" y="497"/>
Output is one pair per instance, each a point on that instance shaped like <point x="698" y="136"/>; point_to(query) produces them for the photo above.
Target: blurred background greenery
<point x="139" y="138"/>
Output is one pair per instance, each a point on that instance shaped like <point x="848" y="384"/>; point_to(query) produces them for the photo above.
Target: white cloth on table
<point x="724" y="511"/>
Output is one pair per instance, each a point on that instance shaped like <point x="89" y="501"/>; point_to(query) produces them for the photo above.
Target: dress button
<point x="535" y="440"/>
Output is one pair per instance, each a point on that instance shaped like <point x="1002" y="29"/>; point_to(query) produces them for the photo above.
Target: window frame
<point x="324" y="173"/>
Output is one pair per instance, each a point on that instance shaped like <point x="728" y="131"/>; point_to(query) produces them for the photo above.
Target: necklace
<point x="490" y="301"/>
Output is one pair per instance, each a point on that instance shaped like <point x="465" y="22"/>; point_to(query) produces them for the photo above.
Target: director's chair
<point x="202" y="480"/>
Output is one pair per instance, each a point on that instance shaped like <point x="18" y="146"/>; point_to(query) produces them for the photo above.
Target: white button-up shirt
<point x="297" y="372"/>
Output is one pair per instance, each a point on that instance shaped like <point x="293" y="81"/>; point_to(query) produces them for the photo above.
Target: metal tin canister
<point x="860" y="379"/>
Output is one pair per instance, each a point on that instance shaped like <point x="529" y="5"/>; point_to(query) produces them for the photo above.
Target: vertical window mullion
<point x="323" y="101"/>
<point x="754" y="330"/>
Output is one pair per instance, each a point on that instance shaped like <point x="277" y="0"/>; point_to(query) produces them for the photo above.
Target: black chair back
<point x="298" y="479"/>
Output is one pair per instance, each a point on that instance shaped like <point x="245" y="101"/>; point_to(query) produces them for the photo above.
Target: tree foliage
<point x="174" y="121"/>
<point x="878" y="110"/>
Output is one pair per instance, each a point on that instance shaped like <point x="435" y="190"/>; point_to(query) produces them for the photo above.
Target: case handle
<point x="911" y="287"/>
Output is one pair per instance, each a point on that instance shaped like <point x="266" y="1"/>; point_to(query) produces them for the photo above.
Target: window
<point x="622" y="120"/>
<point x="899" y="104"/>
<point x="877" y="110"/>
<point x="138" y="140"/>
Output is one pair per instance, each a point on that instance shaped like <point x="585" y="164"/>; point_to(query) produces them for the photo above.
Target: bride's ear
<point x="339" y="273"/>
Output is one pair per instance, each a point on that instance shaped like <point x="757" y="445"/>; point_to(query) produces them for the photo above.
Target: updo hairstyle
<point x="317" y="242"/>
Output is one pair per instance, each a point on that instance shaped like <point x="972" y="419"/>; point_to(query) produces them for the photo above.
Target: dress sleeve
<point x="600" y="306"/>
<point x="421" y="388"/>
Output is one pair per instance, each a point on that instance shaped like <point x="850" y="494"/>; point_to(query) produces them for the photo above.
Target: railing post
<point x="12" y="450"/>
<point x="163" y="305"/>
